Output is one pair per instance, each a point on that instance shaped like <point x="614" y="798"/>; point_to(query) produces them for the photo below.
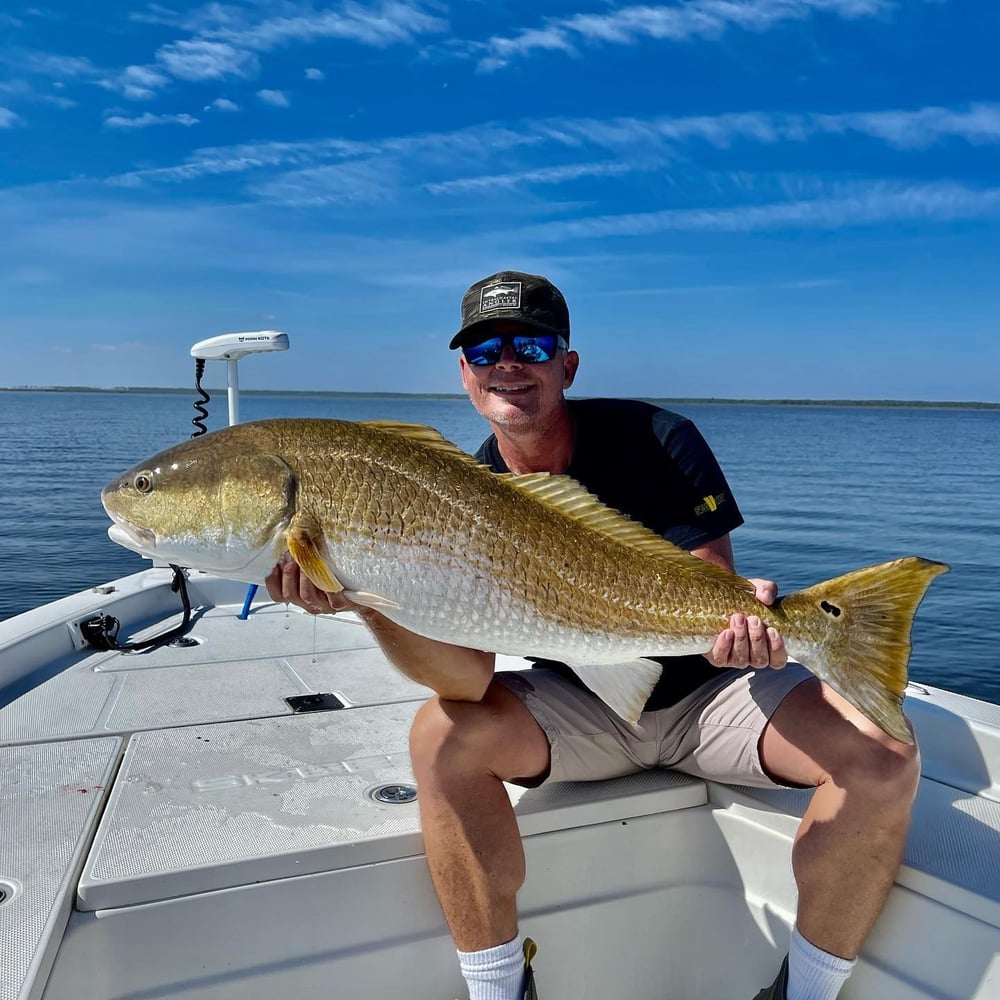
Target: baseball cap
<point x="513" y="295"/>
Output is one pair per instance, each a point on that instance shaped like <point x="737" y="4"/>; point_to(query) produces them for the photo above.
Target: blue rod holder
<point x="245" y="613"/>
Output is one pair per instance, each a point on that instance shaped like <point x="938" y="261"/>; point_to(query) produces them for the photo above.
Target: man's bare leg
<point x="850" y="843"/>
<point x="461" y="753"/>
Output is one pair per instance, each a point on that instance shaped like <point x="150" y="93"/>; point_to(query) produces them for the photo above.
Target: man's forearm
<point x="453" y="672"/>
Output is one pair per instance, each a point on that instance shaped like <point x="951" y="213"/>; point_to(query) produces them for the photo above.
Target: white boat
<point x="170" y="826"/>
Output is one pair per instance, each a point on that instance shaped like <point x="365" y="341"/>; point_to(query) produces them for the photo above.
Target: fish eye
<point x="143" y="482"/>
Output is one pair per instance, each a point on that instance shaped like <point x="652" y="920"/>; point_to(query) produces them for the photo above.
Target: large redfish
<point x="405" y="522"/>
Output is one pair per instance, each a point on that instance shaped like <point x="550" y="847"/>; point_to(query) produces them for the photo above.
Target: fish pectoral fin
<point x="623" y="687"/>
<point x="308" y="548"/>
<point x="376" y="601"/>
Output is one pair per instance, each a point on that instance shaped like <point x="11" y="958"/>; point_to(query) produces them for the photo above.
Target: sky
<point x="739" y="198"/>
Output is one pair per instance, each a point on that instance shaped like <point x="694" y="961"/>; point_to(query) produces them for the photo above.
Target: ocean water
<point x="823" y="491"/>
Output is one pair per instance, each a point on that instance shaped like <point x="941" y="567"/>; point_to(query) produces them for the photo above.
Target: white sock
<point x="814" y="974"/>
<point x="495" y="973"/>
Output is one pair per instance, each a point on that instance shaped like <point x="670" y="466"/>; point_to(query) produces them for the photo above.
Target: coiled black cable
<point x="199" y="405"/>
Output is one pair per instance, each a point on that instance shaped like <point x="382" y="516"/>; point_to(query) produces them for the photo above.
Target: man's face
<point x="512" y="393"/>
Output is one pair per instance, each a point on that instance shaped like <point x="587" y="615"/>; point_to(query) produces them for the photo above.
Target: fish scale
<point x="534" y="565"/>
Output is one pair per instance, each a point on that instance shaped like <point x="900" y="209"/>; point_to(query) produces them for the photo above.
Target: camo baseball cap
<point x="516" y="296"/>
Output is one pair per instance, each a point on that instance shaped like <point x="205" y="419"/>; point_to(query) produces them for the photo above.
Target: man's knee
<point x="447" y="731"/>
<point x="484" y="736"/>
<point x="495" y="736"/>
<point x="883" y="769"/>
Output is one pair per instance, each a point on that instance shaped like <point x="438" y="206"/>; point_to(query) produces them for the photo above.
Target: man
<point x="481" y="729"/>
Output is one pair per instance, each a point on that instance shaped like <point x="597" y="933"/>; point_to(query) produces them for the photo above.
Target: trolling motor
<point x="230" y="347"/>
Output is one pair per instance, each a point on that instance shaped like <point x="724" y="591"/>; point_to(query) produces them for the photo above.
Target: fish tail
<point x="865" y="650"/>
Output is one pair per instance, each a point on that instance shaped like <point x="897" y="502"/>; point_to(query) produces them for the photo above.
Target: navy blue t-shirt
<point x="654" y="466"/>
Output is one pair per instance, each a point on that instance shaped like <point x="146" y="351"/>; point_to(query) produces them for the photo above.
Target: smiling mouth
<point x="510" y="390"/>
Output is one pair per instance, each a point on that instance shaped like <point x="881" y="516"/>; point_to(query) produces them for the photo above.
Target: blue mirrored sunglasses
<point x="530" y="349"/>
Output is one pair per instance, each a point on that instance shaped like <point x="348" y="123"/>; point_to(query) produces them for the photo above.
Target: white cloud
<point x="857" y="205"/>
<point x="50" y="65"/>
<point x="708" y="19"/>
<point x="979" y="124"/>
<point x="7" y="118"/>
<point x="451" y="162"/>
<point x="222" y="104"/>
<point x="357" y="182"/>
<point x="23" y="92"/>
<point x="315" y="74"/>
<point x="543" y="175"/>
<point x="201" y="59"/>
<point x="147" y="119"/>
<point x="137" y="83"/>
<point x="276" y="98"/>
<point x="902" y="128"/>
<point x="387" y="23"/>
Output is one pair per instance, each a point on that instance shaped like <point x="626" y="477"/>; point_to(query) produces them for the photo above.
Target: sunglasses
<point x="532" y="349"/>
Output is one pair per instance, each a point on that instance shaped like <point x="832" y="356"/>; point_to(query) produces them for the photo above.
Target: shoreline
<point x="707" y="400"/>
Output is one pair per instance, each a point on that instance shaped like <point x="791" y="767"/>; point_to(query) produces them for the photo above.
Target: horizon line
<point x="376" y="394"/>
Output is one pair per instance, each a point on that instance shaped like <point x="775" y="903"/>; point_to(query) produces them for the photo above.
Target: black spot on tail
<point x="830" y="609"/>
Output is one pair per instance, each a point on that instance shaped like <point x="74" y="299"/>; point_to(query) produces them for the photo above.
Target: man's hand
<point x="747" y="643"/>
<point x="287" y="584"/>
<point x="453" y="672"/>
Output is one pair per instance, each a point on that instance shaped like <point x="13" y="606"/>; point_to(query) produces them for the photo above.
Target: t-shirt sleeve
<point x="704" y="508"/>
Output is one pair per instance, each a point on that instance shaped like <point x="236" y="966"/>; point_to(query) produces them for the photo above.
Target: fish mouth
<point x="138" y="539"/>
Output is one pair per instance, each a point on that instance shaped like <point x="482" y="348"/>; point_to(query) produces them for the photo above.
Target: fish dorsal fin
<point x="565" y="494"/>
<point x="421" y="434"/>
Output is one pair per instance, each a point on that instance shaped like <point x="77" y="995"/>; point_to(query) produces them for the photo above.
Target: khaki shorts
<point x="713" y="733"/>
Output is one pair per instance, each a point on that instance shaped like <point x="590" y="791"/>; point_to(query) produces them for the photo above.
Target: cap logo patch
<point x="505" y="295"/>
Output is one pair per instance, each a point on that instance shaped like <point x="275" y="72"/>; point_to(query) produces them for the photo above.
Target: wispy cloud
<point x="642" y="144"/>
<point x="136" y="82"/>
<point x="903" y="128"/>
<point x="147" y="119"/>
<point x="22" y="91"/>
<point x="978" y="124"/>
<point x="225" y="41"/>
<point x="381" y="25"/>
<point x="275" y="98"/>
<point x="542" y="175"/>
<point x="858" y="205"/>
<point x="479" y="142"/>
<point x="363" y="182"/>
<point x="202" y="59"/>
<point x="48" y="64"/>
<point x="8" y="119"/>
<point x="704" y="19"/>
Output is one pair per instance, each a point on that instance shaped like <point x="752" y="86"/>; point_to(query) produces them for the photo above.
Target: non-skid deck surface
<point x="238" y="669"/>
<point x="50" y="797"/>
<point x="212" y="807"/>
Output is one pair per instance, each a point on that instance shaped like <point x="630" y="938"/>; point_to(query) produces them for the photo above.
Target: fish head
<point x="218" y="503"/>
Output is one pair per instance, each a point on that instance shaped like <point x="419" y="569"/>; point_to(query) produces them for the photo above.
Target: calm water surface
<point x="823" y="490"/>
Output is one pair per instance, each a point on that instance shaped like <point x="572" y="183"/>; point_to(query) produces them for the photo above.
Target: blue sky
<point x="739" y="198"/>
